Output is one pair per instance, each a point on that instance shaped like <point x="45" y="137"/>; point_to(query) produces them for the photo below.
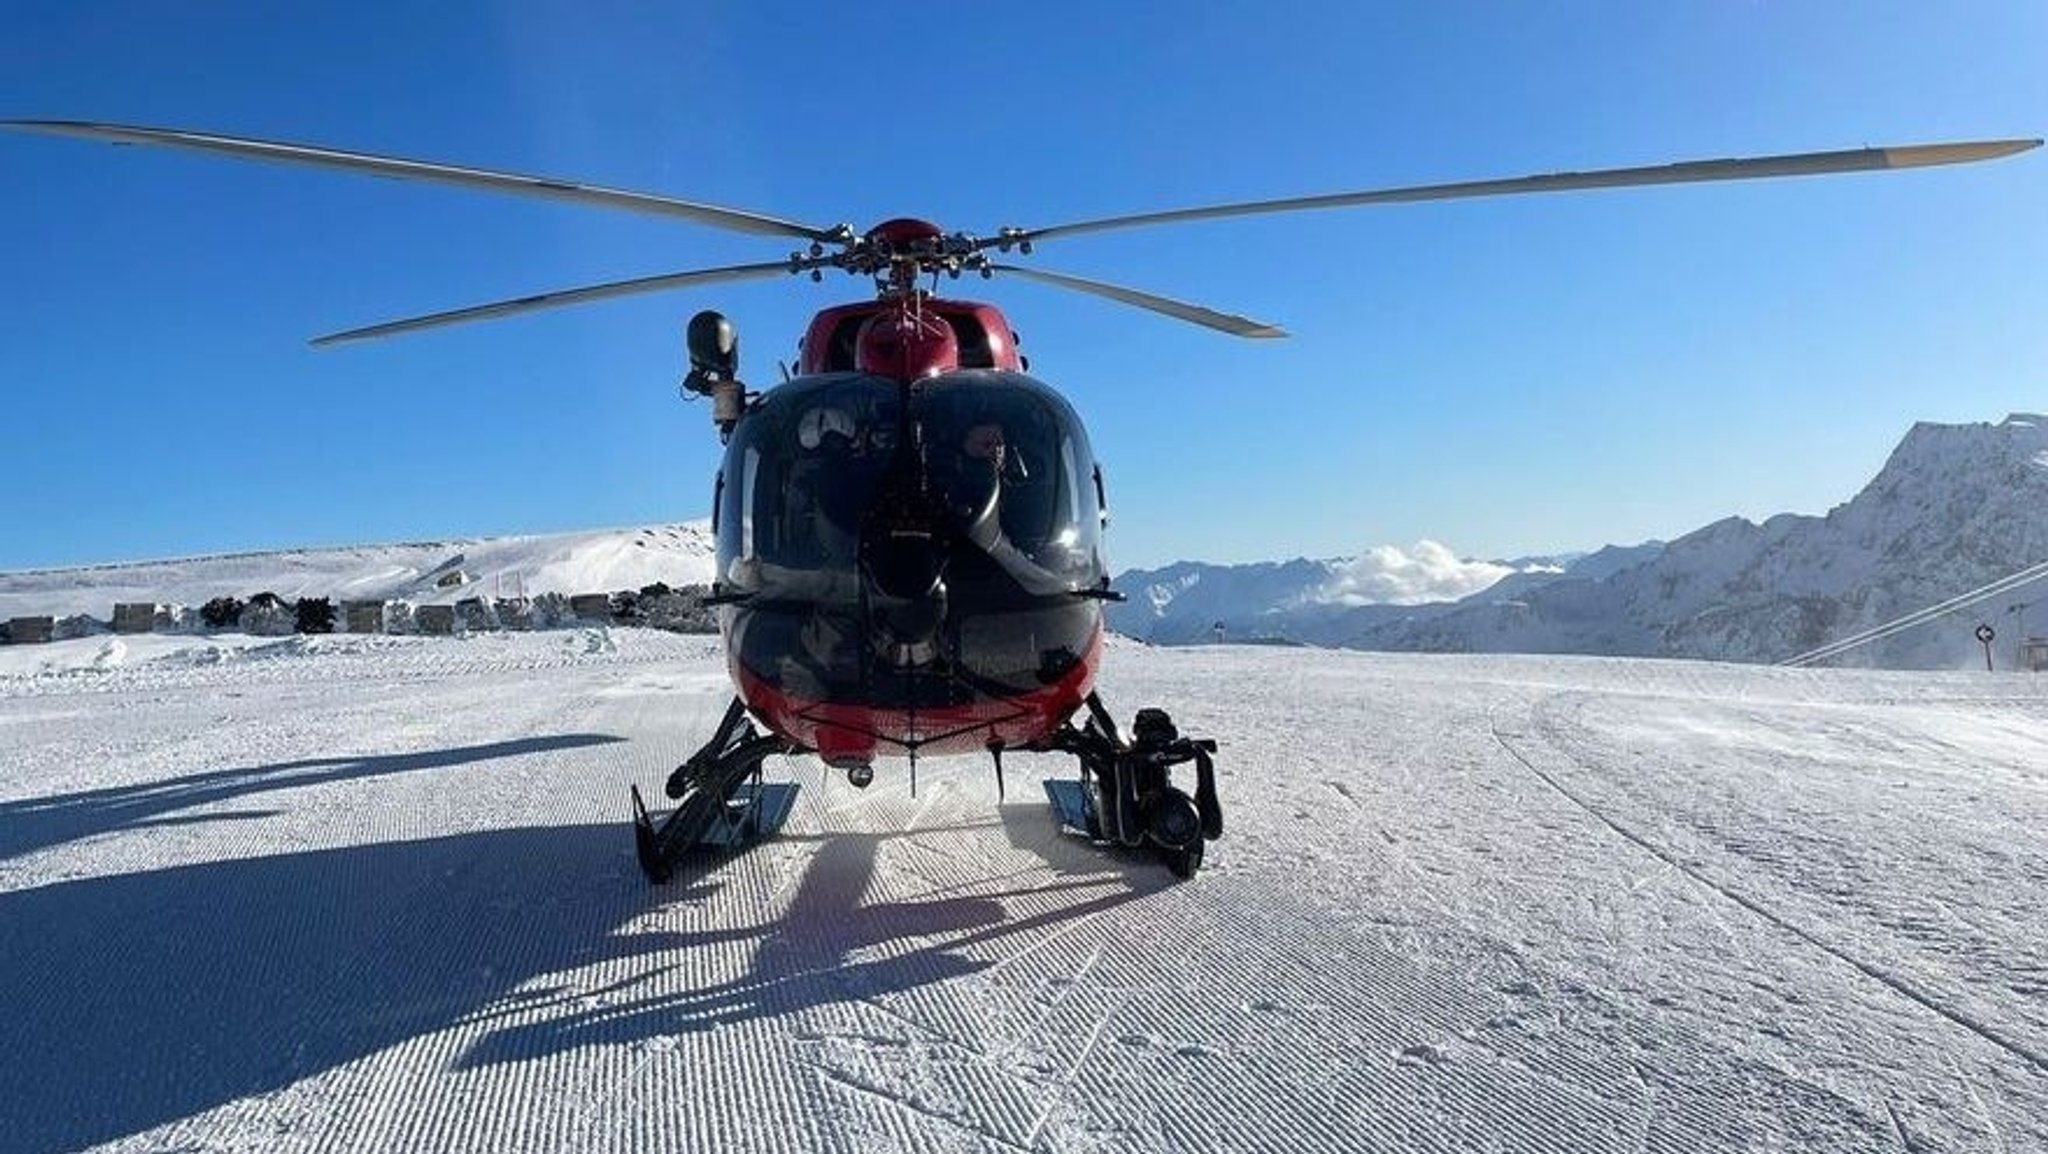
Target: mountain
<point x="1955" y="508"/>
<point x="1185" y="602"/>
<point x="423" y="573"/>
<point x="1336" y="602"/>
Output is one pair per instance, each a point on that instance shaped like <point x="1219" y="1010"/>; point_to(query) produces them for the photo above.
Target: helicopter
<point x="910" y="527"/>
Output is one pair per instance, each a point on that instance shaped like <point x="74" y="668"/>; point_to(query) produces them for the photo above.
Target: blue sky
<point x="1503" y="376"/>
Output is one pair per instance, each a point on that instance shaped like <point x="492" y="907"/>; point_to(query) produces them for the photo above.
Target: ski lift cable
<point x="1911" y="620"/>
<point x="1985" y="592"/>
<point x="1920" y="617"/>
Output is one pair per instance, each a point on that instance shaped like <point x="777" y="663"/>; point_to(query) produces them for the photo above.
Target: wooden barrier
<point x="363" y="616"/>
<point x="592" y="606"/>
<point x="476" y="615"/>
<point x="31" y="630"/>
<point x="678" y="611"/>
<point x="2034" y="654"/>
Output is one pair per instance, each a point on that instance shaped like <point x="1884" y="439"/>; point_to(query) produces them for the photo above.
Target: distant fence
<point x="656" y="607"/>
<point x="29" y="630"/>
<point x="2034" y="654"/>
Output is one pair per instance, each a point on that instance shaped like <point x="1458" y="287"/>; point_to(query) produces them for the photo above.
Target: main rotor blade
<point x="538" y="186"/>
<point x="1687" y="172"/>
<point x="1236" y="326"/>
<point x="572" y="296"/>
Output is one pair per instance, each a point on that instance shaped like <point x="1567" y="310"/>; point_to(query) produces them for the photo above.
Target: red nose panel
<point x="863" y="732"/>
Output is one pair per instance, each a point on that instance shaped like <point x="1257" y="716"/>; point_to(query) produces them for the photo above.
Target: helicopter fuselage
<point x="910" y="540"/>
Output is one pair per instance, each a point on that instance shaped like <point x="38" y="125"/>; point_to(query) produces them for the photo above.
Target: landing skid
<point x="720" y="798"/>
<point x="1075" y="807"/>
<point x="1125" y="795"/>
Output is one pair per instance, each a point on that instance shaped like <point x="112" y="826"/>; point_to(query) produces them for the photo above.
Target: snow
<point x="378" y="893"/>
<point x="422" y="573"/>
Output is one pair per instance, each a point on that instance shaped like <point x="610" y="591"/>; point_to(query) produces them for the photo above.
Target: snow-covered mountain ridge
<point x="1955" y="507"/>
<point x="423" y="573"/>
<point x="1329" y="602"/>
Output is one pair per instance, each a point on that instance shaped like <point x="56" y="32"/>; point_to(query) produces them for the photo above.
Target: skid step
<point x="1070" y="803"/>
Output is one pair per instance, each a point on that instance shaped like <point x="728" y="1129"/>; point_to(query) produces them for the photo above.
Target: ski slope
<point x="378" y="894"/>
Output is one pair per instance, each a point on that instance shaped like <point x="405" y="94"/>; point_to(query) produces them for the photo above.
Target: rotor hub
<point x="904" y="234"/>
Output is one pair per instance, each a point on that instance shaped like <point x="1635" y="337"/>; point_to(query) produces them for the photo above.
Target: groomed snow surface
<point x="378" y="894"/>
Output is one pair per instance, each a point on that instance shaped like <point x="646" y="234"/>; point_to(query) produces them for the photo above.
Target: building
<point x="31" y="630"/>
<point x="2034" y="654"/>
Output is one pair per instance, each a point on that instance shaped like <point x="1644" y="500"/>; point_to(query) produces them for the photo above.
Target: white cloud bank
<point x="1388" y="574"/>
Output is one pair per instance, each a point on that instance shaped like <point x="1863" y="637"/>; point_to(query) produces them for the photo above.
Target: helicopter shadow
<point x="31" y="824"/>
<point x="832" y="945"/>
<point x="150" y="997"/>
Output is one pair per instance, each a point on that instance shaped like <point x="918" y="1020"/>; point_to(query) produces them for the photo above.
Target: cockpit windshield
<point x="1012" y="461"/>
<point x="1005" y="457"/>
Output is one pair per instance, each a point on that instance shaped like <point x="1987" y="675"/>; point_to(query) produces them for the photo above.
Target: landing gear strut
<point x="703" y="788"/>
<point x="1126" y="794"/>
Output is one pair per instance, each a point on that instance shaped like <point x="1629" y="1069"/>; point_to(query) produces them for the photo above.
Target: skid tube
<point x="1127" y="786"/>
<point x="703" y="787"/>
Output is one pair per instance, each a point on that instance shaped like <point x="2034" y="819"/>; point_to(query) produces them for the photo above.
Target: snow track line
<point x="1898" y="1127"/>
<point x="2035" y="1060"/>
<point x="1030" y="1032"/>
<point x="1067" y="1079"/>
<point x="1047" y="940"/>
<point x="1990" y="1119"/>
<point x="886" y="1098"/>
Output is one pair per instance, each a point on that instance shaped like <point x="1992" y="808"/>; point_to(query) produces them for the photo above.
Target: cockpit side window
<point x="801" y="470"/>
<point x="750" y="484"/>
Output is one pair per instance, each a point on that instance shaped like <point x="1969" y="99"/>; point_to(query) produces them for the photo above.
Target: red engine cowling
<point x="981" y="336"/>
<point x="906" y="344"/>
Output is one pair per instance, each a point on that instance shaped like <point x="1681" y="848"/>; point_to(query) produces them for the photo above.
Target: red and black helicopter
<point x="910" y="553"/>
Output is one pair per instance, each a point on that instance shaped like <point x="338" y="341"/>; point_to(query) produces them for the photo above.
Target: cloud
<point x="1387" y="574"/>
